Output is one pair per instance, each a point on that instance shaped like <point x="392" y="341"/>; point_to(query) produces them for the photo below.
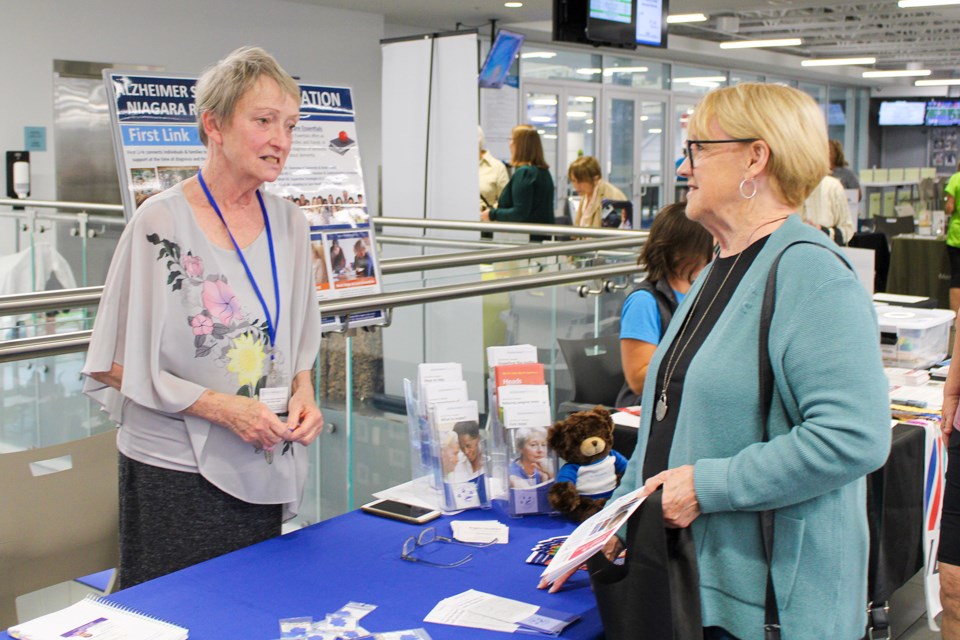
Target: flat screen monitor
<point x="899" y="113"/>
<point x="943" y="113"/>
<point x="570" y="20"/>
<point x="611" y="22"/>
<point x="616" y="23"/>
<point x="652" y="22"/>
<point x="502" y="53"/>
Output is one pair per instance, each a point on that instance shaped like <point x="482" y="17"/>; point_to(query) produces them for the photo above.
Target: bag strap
<point x="771" y="615"/>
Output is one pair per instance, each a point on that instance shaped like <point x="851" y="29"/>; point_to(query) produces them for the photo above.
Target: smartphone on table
<point x="400" y="511"/>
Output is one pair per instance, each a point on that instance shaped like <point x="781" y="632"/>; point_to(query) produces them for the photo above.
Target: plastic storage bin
<point x="913" y="338"/>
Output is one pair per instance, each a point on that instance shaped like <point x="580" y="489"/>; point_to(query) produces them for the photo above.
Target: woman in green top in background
<point x="528" y="197"/>
<point x="952" y="191"/>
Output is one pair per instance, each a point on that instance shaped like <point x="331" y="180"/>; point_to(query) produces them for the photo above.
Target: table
<point x="919" y="267"/>
<point x="356" y="556"/>
<point x="895" y="513"/>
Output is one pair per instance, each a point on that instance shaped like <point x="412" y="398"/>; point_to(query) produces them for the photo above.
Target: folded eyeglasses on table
<point x="428" y="536"/>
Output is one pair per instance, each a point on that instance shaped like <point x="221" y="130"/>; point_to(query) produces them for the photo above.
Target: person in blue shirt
<point x="675" y="252"/>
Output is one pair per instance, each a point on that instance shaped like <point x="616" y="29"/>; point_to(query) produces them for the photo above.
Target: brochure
<point x="462" y="461"/>
<point x="592" y="534"/>
<point x="486" y="611"/>
<point x="511" y="354"/>
<point x="94" y="617"/>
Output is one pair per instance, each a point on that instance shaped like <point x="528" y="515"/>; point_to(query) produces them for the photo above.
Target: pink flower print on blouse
<point x="193" y="265"/>
<point x="219" y="300"/>
<point x="202" y="325"/>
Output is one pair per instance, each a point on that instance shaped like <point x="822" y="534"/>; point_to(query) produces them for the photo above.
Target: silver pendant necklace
<point x="662" y="407"/>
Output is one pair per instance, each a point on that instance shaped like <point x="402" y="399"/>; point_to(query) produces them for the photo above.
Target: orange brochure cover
<point x="511" y="374"/>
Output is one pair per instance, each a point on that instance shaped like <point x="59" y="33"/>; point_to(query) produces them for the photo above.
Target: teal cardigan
<point x="829" y="425"/>
<point x="528" y="197"/>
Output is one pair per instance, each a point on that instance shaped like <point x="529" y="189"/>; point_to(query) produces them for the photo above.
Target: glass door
<point x="682" y="110"/>
<point x="566" y="119"/>
<point x="634" y="151"/>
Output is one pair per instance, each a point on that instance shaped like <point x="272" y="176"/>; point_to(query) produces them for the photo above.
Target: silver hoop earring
<point x="752" y="193"/>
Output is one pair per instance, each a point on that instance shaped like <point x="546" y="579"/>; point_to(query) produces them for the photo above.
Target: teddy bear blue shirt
<point x="597" y="479"/>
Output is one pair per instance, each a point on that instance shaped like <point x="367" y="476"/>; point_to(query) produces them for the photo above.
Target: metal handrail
<point x="42" y="346"/>
<point x="25" y="303"/>
<point x="61" y="204"/>
<point x="362" y="304"/>
<point x="606" y="239"/>
<point x="62" y="217"/>
<point x="506" y="227"/>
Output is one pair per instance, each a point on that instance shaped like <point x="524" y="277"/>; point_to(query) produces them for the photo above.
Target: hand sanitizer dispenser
<point x="18" y="174"/>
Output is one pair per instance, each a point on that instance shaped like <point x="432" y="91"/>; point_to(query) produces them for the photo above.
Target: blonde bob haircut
<point x="788" y="120"/>
<point x="222" y="85"/>
<point x="584" y="169"/>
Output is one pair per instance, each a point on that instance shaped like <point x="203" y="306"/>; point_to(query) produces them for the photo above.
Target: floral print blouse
<point x="180" y="315"/>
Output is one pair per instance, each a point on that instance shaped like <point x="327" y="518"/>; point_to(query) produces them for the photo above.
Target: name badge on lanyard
<point x="276" y="393"/>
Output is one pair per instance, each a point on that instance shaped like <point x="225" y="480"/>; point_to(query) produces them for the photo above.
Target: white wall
<point x="318" y="44"/>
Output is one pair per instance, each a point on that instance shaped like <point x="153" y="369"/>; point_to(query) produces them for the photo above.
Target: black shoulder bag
<point x="771" y="617"/>
<point x="656" y="592"/>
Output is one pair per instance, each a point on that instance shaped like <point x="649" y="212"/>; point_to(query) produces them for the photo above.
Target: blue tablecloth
<point x="356" y="556"/>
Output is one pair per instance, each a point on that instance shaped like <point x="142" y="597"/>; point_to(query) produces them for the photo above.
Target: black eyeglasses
<point x="429" y="535"/>
<point x="691" y="143"/>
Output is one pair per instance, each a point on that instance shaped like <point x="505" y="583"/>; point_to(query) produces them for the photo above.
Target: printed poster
<point x="157" y="143"/>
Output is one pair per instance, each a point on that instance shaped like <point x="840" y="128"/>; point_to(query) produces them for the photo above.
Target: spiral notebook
<point x="94" y="617"/>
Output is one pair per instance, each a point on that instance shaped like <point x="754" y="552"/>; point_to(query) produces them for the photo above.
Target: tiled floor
<point x="908" y="616"/>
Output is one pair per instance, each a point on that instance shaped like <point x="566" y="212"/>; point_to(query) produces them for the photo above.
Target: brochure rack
<point x="448" y="450"/>
<point x="521" y="460"/>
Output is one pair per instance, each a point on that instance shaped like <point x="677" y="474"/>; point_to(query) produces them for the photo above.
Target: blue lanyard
<point x="271" y="326"/>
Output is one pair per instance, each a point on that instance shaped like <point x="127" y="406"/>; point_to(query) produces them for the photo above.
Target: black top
<point x="528" y="197"/>
<point x="661" y="431"/>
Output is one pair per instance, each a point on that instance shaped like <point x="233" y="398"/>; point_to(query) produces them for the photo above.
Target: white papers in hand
<point x="592" y="534"/>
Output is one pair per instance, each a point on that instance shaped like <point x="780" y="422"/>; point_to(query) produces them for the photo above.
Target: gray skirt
<point x="172" y="519"/>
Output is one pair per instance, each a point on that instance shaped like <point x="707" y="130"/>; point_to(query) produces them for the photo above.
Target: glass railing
<point x="448" y="300"/>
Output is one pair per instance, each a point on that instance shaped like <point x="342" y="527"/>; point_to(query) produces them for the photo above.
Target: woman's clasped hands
<point x="258" y="425"/>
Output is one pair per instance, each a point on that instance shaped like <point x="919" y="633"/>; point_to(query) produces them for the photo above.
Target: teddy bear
<point x="592" y="468"/>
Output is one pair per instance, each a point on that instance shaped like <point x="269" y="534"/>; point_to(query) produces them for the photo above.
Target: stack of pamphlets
<point x="485" y="611"/>
<point x="521" y="416"/>
<point x="542" y="552"/>
<point x="898" y="376"/>
<point x="451" y="426"/>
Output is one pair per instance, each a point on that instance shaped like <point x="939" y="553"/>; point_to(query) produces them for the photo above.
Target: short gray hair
<point x="222" y="85"/>
<point x="526" y="433"/>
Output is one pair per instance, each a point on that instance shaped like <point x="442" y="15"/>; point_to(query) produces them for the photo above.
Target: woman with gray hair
<point x="532" y="467"/>
<point x="206" y="337"/>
